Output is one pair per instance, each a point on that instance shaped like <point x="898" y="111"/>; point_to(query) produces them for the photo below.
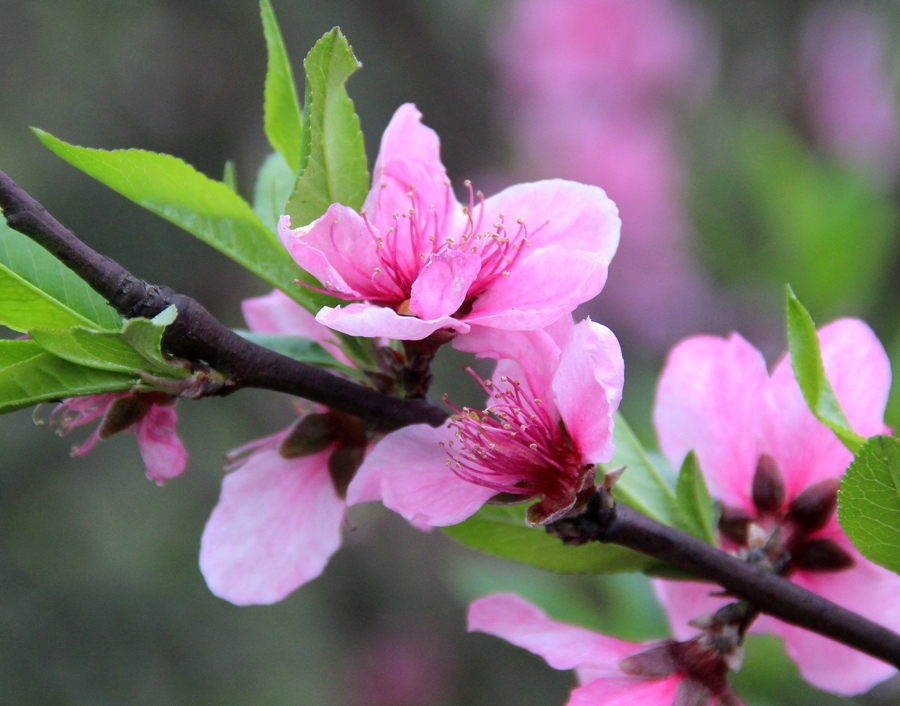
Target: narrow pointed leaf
<point x="501" y="531"/>
<point x="229" y="175"/>
<point x="869" y="501"/>
<point x="28" y="260"/>
<point x="274" y="186"/>
<point x="282" y="118"/>
<point x="806" y="360"/>
<point x="29" y="375"/>
<point x="641" y="486"/>
<point x="333" y="159"/>
<point x="206" y="208"/>
<point x="694" y="502"/>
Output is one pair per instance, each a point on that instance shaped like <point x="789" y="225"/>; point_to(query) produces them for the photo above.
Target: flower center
<point x="517" y="448"/>
<point x="781" y="535"/>
<point x="419" y="233"/>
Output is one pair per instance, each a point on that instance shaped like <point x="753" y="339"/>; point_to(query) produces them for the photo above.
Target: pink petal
<point x="867" y="589"/>
<point x="514" y="619"/>
<point x="626" y="692"/>
<point x="407" y="138"/>
<point x="336" y="248"/>
<point x="277" y="313"/>
<point x="534" y="353"/>
<point x="685" y="600"/>
<point x="164" y="455"/>
<point x="540" y="288"/>
<point x="859" y="371"/>
<point x="588" y="388"/>
<point x="416" y="481"/>
<point x="277" y="523"/>
<point x="558" y="212"/>
<point x="711" y="399"/>
<point x="375" y="321"/>
<point x="443" y="283"/>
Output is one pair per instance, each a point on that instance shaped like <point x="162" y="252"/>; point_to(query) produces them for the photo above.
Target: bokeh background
<point x="748" y="143"/>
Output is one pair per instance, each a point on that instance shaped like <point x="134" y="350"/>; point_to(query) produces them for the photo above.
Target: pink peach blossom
<point x="549" y="421"/>
<point x="605" y="665"/>
<point x="415" y="260"/>
<point x="848" y="65"/>
<point x="279" y="516"/>
<point x="775" y="469"/>
<point x="152" y="414"/>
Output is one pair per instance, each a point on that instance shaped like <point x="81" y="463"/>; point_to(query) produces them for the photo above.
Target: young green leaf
<point x="282" y="120"/>
<point x="501" y="531"/>
<point x="23" y="306"/>
<point x="806" y="360"/>
<point x="694" y="501"/>
<point x="333" y="157"/>
<point x="229" y="175"/>
<point x="202" y="206"/>
<point x="641" y="486"/>
<point x="145" y="337"/>
<point x="274" y="186"/>
<point x="869" y="501"/>
<point x="31" y="263"/>
<point x="29" y="375"/>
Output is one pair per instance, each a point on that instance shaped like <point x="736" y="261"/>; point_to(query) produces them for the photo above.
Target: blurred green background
<point x="101" y="601"/>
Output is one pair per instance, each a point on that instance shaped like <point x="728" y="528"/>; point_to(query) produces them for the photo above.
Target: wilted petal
<point x="588" y="386"/>
<point x="711" y="399"/>
<point x="415" y="479"/>
<point x="162" y="450"/>
<point x="514" y="619"/>
<point x="377" y="321"/>
<point x="277" y="523"/>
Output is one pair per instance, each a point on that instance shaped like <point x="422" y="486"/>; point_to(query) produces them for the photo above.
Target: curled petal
<point x="164" y="455"/>
<point x="415" y="479"/>
<point x="514" y="619"/>
<point x="277" y="523"/>
<point x="443" y="284"/>
<point x="377" y="321"/>
<point x="588" y="387"/>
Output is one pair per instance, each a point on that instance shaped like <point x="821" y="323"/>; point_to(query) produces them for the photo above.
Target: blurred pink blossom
<point x="279" y="516"/>
<point x="420" y="261"/>
<point x="611" y="672"/>
<point x="152" y="414"/>
<point x="558" y="388"/>
<point x="850" y="75"/>
<point x="776" y="469"/>
<point x="593" y="87"/>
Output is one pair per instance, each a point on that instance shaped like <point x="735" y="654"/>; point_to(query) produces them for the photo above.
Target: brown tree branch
<point x="199" y="337"/>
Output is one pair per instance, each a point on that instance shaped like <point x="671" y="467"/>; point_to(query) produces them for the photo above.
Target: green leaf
<point x="283" y="122"/>
<point x="641" y="486"/>
<point x="869" y="501"/>
<point x="333" y="157"/>
<point x="103" y="350"/>
<point x="23" y="306"/>
<point x="694" y="502"/>
<point x="30" y="262"/>
<point x="229" y="175"/>
<point x="302" y="349"/>
<point x="202" y="206"/>
<point x="806" y="360"/>
<point x="145" y="337"/>
<point x="274" y="186"/>
<point x="29" y="375"/>
<point x="501" y="531"/>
